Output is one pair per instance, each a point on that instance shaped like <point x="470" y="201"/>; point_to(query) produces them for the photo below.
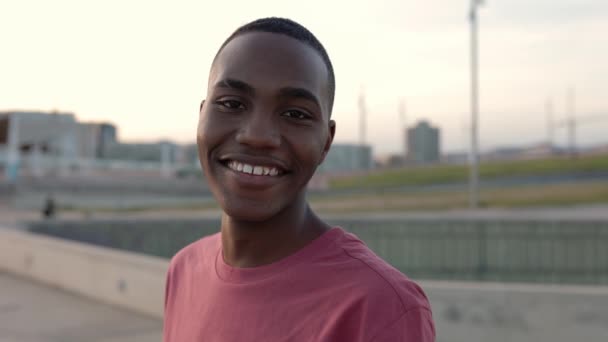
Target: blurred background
<point x="471" y="153"/>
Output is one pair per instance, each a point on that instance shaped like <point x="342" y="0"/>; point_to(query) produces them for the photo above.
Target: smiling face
<point x="264" y="127"/>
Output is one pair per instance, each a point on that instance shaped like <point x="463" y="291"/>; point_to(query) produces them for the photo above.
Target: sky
<point x="143" y="65"/>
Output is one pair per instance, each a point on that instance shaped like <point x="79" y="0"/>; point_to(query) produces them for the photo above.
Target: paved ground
<point x="30" y="312"/>
<point x="518" y="313"/>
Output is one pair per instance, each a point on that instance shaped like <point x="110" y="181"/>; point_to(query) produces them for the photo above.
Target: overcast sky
<point x="143" y="65"/>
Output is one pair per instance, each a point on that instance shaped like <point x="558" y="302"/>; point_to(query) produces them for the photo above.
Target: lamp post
<point x="474" y="154"/>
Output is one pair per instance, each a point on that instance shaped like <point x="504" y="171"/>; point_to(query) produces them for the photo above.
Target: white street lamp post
<point x="474" y="156"/>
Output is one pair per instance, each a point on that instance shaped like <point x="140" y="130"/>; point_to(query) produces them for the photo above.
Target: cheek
<point x="206" y="138"/>
<point x="319" y="147"/>
<point x="209" y="131"/>
<point x="309" y="139"/>
<point x="203" y="123"/>
<point x="200" y="139"/>
<point x="312" y="153"/>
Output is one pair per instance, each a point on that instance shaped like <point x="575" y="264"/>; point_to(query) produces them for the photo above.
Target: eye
<point x="230" y="104"/>
<point x="296" y="114"/>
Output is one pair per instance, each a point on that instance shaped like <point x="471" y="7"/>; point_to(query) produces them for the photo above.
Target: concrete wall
<point x="129" y="280"/>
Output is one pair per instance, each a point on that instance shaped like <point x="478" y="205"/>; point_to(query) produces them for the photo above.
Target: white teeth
<point x="251" y="169"/>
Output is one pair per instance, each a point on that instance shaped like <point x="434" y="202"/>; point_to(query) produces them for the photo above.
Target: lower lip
<point x="253" y="181"/>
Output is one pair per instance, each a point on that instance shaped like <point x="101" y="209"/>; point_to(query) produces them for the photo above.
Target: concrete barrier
<point x="128" y="280"/>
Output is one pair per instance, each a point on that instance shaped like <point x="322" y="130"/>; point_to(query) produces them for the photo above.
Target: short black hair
<point x="294" y="30"/>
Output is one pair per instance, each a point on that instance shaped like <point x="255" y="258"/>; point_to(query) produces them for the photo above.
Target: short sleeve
<point x="168" y="284"/>
<point x="415" y="325"/>
<point x="167" y="319"/>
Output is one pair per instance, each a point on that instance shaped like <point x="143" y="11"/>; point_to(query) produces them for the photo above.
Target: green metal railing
<point x="540" y="251"/>
<point x="487" y="250"/>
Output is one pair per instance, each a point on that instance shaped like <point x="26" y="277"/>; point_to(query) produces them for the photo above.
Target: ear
<point x="200" y="118"/>
<point x="330" y="138"/>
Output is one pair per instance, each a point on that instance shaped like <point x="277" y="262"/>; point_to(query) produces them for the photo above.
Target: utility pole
<point x="362" y="117"/>
<point x="571" y="112"/>
<point x="474" y="157"/>
<point x="550" y="124"/>
<point x="402" y="125"/>
<point x="363" y="150"/>
<point x="402" y="112"/>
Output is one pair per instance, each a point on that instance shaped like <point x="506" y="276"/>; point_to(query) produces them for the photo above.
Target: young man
<point x="276" y="272"/>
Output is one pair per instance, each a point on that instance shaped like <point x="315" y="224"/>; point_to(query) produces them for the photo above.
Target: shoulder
<point x="382" y="281"/>
<point x="396" y="308"/>
<point x="195" y="254"/>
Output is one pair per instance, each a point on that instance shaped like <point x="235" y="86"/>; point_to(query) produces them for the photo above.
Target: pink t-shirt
<point x="335" y="289"/>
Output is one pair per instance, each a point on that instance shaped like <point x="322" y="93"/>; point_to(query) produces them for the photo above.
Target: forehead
<point x="269" y="62"/>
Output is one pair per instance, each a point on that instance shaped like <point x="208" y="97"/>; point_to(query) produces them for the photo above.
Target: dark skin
<point x="267" y="110"/>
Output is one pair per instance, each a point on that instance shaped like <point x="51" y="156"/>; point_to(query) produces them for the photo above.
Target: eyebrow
<point x="299" y="93"/>
<point x="231" y="83"/>
<point x="293" y="92"/>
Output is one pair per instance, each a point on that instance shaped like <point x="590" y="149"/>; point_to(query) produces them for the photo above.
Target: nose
<point x="259" y="131"/>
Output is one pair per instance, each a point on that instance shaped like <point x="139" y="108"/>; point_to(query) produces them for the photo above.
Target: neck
<point x="251" y="244"/>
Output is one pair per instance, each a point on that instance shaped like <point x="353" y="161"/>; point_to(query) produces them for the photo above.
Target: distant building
<point x="40" y="143"/>
<point x="94" y="139"/>
<point x="149" y="152"/>
<point x="347" y="158"/>
<point x="189" y="155"/>
<point x="395" y="160"/>
<point x="88" y="146"/>
<point x="107" y="136"/>
<point x="54" y="134"/>
<point x="37" y="141"/>
<point x="423" y="143"/>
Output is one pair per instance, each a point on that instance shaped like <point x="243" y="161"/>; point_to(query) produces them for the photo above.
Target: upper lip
<point x="255" y="160"/>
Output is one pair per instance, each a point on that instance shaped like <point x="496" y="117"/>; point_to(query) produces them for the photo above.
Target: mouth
<point x="261" y="169"/>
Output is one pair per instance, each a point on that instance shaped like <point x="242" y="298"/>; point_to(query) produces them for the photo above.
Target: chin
<point x="250" y="211"/>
